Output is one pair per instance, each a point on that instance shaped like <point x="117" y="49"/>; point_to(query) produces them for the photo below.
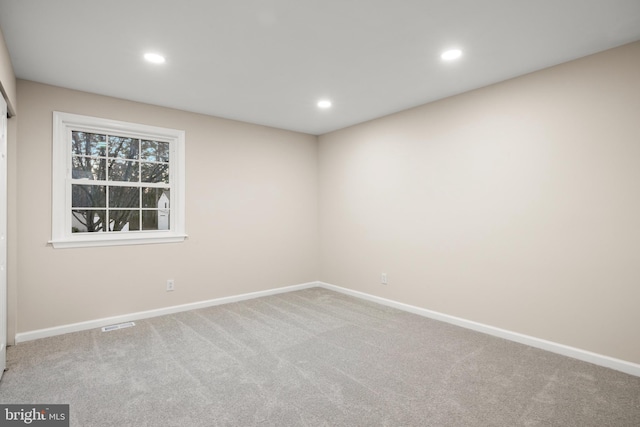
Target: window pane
<point x="155" y="151"/>
<point x="163" y="152"/>
<point x="155" y="172"/>
<point x="155" y="198"/>
<point x="122" y="170"/>
<point x="124" y="197"/>
<point x="88" y="144"/>
<point x="155" y="220"/>
<point x="121" y="220"/>
<point x="88" y="168"/>
<point x="88" y="221"/>
<point x="124" y="148"/>
<point x="88" y="196"/>
<point x="149" y="151"/>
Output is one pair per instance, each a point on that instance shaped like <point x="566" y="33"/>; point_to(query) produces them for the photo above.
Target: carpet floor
<point x="311" y="358"/>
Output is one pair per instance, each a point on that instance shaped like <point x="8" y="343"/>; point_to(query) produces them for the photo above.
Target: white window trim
<point x="61" y="235"/>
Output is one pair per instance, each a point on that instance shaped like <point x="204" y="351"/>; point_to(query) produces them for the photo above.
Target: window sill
<point x="115" y="240"/>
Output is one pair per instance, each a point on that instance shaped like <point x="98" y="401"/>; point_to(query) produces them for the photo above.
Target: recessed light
<point x="450" y="55"/>
<point x="154" y="58"/>
<point x="324" y="103"/>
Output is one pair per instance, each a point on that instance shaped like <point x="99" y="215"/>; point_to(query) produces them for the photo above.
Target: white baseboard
<point x="576" y="353"/>
<point x="98" y="323"/>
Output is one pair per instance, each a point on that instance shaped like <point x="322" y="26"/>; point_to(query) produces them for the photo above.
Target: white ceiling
<point x="270" y="61"/>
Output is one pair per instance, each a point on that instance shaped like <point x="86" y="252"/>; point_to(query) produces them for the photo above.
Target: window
<point x="116" y="183"/>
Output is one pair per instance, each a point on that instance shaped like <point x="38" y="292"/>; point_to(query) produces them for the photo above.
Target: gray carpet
<point x="312" y="358"/>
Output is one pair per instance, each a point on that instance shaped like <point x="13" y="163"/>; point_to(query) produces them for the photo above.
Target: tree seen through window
<point x="119" y="183"/>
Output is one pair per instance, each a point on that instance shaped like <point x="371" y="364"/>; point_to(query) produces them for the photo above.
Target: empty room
<point x="338" y="213"/>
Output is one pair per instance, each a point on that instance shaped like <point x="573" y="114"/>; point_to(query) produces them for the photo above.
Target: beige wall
<point x="7" y="77"/>
<point x="251" y="210"/>
<point x="517" y="205"/>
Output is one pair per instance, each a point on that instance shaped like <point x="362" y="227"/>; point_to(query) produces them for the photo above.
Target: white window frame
<point x="61" y="233"/>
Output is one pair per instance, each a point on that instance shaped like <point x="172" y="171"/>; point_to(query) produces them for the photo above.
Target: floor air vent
<point x="118" y="326"/>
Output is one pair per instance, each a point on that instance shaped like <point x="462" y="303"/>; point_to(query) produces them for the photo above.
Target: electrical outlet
<point x="383" y="278"/>
<point x="170" y="285"/>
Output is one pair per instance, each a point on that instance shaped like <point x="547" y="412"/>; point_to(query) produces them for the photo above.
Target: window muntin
<point x="124" y="182"/>
<point x="120" y="170"/>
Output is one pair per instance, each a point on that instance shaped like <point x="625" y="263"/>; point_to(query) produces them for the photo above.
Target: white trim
<point x="3" y="234"/>
<point x="106" y="321"/>
<point x="565" y="350"/>
<point x="117" y="240"/>
<point x="61" y="235"/>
